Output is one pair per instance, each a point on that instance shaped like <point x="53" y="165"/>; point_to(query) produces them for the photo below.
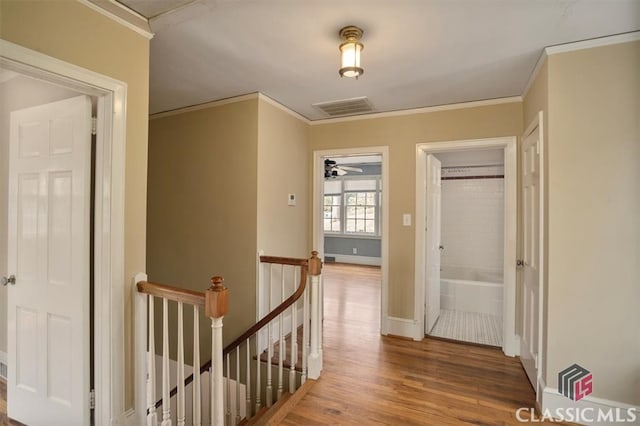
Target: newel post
<point x="315" y="354"/>
<point x="216" y="307"/>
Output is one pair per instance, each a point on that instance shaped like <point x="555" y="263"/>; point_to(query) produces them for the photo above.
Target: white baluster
<point x="281" y="346"/>
<point x="216" y="308"/>
<point x="166" y="403"/>
<point x="217" y="401"/>
<point x="152" y="416"/>
<point x="315" y="361"/>
<point x="238" y="384"/>
<point x="180" y="379"/>
<point x="258" y="402"/>
<point x="248" y="381"/>
<point x="305" y="333"/>
<point x="228" y="401"/>
<point x="321" y="321"/>
<point x="269" y="390"/>
<point x="197" y="415"/>
<point x="294" y="339"/>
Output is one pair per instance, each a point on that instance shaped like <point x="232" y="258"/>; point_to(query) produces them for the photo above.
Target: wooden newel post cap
<point x="216" y="299"/>
<point x="315" y="264"/>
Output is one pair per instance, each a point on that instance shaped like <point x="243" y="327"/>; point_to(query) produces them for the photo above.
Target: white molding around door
<point x="511" y="344"/>
<point x="109" y="214"/>
<point x="318" y="232"/>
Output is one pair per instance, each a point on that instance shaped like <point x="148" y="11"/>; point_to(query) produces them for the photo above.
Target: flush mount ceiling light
<point x="350" y="52"/>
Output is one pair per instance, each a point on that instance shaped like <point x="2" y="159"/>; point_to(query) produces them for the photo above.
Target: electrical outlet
<point x="355" y="250"/>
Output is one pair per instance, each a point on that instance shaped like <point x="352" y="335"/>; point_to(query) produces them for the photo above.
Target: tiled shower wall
<point x="472" y="227"/>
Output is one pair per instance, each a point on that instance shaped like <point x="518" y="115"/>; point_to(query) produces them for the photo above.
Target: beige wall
<point x="202" y="204"/>
<point x="594" y="219"/>
<point x="76" y="34"/>
<point x="401" y="134"/>
<point x="282" y="169"/>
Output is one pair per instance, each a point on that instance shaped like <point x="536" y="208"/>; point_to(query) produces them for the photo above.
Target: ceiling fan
<point x="332" y="169"/>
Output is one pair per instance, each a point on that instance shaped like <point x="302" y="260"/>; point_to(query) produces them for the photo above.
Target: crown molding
<point x="423" y="110"/>
<point x="122" y="15"/>
<point x="592" y="43"/>
<point x="578" y="45"/>
<point x="205" y="105"/>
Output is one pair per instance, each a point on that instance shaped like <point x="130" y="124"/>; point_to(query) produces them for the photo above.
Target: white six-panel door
<point x="433" y="221"/>
<point x="48" y="252"/>
<point x="531" y="269"/>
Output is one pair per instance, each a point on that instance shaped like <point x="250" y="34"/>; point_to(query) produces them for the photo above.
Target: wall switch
<point x="291" y="200"/>
<point x="406" y="219"/>
<point x="355" y="250"/>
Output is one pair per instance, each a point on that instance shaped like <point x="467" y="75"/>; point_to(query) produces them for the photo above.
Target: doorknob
<point x="11" y="280"/>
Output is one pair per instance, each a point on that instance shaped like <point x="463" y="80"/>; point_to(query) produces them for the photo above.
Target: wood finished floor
<point x="372" y="379"/>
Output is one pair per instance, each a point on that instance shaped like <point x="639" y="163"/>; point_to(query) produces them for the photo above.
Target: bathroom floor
<point x="469" y="327"/>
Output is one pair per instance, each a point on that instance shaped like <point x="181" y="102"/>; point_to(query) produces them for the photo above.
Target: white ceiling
<point x="417" y="53"/>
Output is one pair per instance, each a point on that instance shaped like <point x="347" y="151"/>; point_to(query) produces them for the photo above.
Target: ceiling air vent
<point x="345" y="106"/>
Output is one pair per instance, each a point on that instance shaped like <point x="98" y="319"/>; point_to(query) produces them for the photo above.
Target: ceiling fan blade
<point x="351" y="169"/>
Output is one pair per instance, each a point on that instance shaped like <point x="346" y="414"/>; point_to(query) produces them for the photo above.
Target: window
<point x="352" y="206"/>
<point x="332" y="206"/>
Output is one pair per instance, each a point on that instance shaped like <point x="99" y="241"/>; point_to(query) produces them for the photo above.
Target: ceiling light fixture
<point x="350" y="52"/>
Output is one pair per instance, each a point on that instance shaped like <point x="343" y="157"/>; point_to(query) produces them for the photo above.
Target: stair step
<point x="278" y="411"/>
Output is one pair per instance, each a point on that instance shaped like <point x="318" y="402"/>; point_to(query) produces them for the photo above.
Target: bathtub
<point x="483" y="293"/>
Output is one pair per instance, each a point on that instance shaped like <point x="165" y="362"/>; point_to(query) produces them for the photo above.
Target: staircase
<point x="260" y="373"/>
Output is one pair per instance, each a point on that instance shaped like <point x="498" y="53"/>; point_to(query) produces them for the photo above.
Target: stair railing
<point x="213" y="304"/>
<point x="248" y="361"/>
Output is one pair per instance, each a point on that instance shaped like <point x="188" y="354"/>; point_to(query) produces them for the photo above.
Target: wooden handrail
<point x="303" y="263"/>
<point x="274" y="313"/>
<point x="169" y="292"/>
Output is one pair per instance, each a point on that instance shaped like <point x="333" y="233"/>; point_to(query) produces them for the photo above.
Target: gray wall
<point x="344" y="245"/>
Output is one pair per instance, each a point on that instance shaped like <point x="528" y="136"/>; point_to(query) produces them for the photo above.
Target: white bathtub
<point x="471" y="296"/>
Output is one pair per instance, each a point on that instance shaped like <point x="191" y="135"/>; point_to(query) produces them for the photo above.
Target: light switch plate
<point x="406" y="219"/>
<point x="291" y="200"/>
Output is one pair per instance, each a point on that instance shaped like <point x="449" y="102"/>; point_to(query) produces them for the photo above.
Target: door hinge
<point x="92" y="399"/>
<point x="94" y="125"/>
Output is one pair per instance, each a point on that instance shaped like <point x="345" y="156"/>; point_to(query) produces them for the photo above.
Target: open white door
<point x="48" y="253"/>
<point x="432" y="268"/>
<point x="531" y="193"/>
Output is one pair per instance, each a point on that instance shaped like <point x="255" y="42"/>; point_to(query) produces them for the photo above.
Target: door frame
<point x="109" y="214"/>
<point x="317" y="223"/>
<point x="511" y="340"/>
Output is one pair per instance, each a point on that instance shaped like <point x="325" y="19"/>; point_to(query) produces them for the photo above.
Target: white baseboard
<point x="402" y="327"/>
<point x="358" y="260"/>
<point x="589" y="407"/>
<point x="4" y="367"/>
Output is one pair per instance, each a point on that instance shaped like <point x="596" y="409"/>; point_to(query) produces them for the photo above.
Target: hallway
<point x="373" y="379"/>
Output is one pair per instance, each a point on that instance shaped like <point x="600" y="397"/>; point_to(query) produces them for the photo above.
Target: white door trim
<point x="511" y="345"/>
<point x="109" y="214"/>
<point x="317" y="233"/>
